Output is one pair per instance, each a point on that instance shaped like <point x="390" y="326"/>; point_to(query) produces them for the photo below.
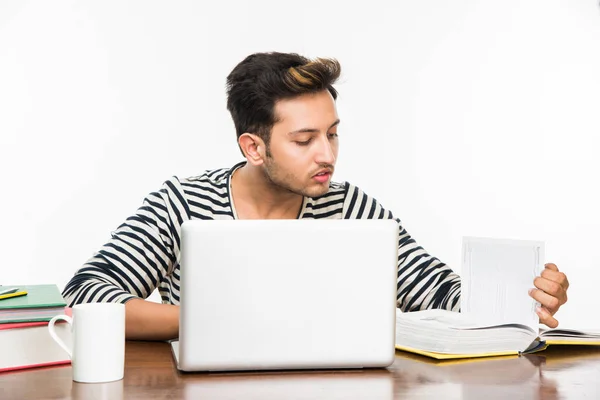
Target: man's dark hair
<point x="261" y="79"/>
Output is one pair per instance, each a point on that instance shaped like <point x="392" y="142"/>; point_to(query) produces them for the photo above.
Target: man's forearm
<point x="146" y="320"/>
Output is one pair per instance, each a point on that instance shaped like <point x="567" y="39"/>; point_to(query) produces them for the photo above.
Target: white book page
<point x="496" y="277"/>
<point x="445" y="318"/>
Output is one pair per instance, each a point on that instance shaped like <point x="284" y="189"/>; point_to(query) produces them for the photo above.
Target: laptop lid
<point x="287" y="294"/>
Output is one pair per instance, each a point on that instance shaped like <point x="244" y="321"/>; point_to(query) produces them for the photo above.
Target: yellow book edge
<point x="542" y="346"/>
<point x="454" y="361"/>
<point x="444" y="356"/>
<point x="572" y="342"/>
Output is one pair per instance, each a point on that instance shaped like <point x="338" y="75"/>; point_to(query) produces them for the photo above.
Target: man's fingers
<point x="556" y="276"/>
<point x="546" y="318"/>
<point x="551" y="293"/>
<point x="550" y="302"/>
<point x="551" y="266"/>
<point x="551" y="288"/>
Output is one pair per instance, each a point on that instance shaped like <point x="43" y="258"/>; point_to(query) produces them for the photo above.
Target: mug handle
<point x="58" y="340"/>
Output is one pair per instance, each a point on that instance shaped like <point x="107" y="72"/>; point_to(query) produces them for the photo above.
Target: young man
<point x="283" y="107"/>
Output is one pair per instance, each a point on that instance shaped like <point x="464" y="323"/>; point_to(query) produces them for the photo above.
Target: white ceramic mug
<point x="98" y="391"/>
<point x="98" y="352"/>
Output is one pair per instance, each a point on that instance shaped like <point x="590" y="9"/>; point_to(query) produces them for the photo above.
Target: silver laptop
<point x="287" y="294"/>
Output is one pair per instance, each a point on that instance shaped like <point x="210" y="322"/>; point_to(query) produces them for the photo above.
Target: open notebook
<point x="497" y="315"/>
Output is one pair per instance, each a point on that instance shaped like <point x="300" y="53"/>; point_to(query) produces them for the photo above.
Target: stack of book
<point x="24" y="338"/>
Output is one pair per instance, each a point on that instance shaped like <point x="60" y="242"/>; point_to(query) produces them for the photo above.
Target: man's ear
<point x="253" y="148"/>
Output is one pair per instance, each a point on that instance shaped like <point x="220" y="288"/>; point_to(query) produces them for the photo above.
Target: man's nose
<point x="325" y="152"/>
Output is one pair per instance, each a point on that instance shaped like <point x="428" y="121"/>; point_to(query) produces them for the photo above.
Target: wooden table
<point x="559" y="372"/>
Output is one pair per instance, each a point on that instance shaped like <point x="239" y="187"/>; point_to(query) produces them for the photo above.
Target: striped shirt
<point x="144" y="252"/>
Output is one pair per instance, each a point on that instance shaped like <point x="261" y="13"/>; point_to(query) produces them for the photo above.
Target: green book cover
<point x="38" y="296"/>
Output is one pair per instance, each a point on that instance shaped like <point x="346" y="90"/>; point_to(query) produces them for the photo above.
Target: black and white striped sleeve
<point x="140" y="253"/>
<point x="424" y="281"/>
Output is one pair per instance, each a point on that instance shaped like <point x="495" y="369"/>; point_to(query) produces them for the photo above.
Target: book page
<point x="496" y="277"/>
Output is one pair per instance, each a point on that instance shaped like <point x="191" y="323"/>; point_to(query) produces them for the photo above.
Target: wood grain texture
<point x="559" y="372"/>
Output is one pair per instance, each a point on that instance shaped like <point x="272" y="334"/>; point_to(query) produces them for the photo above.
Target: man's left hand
<point x="551" y="293"/>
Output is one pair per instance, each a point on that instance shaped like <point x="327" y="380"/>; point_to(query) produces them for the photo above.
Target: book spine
<point x="50" y="364"/>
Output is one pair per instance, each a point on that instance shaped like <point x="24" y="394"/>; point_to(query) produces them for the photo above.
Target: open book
<point x="497" y="315"/>
<point x="570" y="336"/>
<point x="445" y="334"/>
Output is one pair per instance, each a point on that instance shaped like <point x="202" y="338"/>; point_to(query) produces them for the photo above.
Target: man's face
<point x="304" y="144"/>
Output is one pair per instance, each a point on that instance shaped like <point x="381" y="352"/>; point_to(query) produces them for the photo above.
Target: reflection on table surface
<point x="558" y="372"/>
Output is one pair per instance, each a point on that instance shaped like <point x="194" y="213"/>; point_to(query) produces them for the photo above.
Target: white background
<point x="464" y="117"/>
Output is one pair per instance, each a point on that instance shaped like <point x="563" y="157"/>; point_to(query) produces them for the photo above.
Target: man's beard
<point x="284" y="181"/>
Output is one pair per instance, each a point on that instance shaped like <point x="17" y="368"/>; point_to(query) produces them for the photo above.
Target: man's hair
<point x="261" y="79"/>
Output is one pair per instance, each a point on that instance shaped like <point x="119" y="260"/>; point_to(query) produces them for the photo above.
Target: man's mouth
<point x="322" y="176"/>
